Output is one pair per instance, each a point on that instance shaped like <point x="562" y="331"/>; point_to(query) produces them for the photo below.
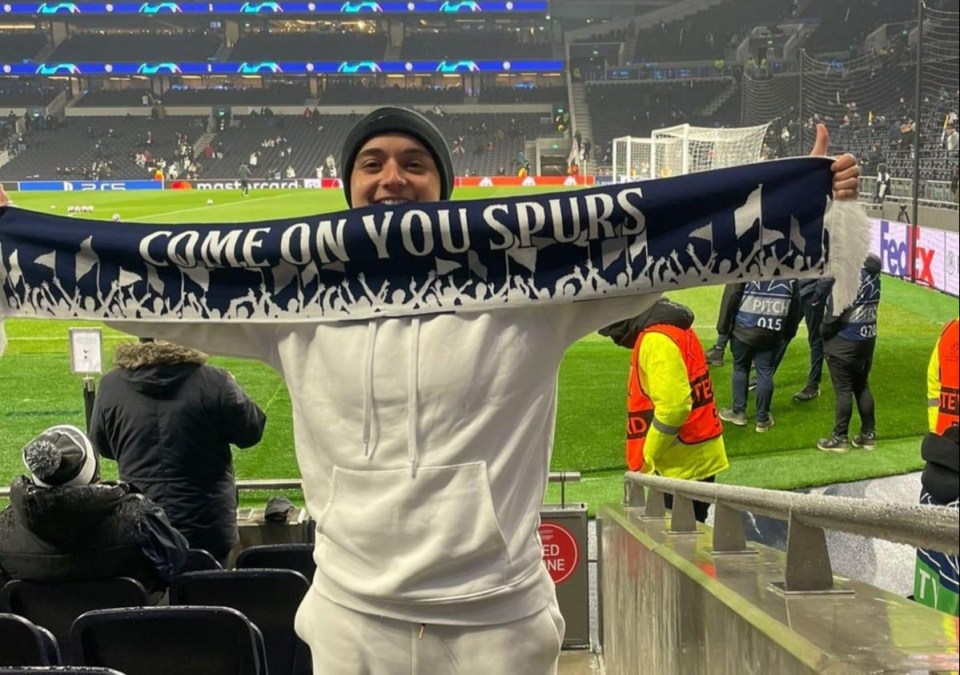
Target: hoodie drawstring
<point x="368" y="386"/>
<point x="413" y="450"/>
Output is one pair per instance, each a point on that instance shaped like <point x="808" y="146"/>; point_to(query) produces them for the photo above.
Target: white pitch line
<point x="206" y="208"/>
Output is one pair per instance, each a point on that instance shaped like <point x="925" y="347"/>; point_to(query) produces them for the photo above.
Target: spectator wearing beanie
<point x="64" y="525"/>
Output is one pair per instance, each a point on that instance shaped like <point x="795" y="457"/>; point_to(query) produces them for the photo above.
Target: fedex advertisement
<point x="924" y="255"/>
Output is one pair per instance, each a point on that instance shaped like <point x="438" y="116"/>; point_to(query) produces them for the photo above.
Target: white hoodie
<point x="424" y="446"/>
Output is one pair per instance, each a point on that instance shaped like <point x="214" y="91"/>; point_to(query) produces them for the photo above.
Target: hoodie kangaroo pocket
<point x="429" y="538"/>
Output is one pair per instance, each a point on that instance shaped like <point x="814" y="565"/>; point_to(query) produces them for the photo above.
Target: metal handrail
<point x="561" y="477"/>
<point x="808" y="561"/>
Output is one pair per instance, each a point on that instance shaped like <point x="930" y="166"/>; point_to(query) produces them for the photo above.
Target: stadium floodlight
<point x="58" y="8"/>
<point x="259" y="68"/>
<point x="58" y="69"/>
<point x="458" y="67"/>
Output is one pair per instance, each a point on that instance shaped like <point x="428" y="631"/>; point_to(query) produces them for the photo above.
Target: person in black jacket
<point x="849" y="340"/>
<point x="761" y="316"/>
<point x="936" y="582"/>
<point x="813" y="300"/>
<point x="63" y="525"/>
<point x="728" y="308"/>
<point x="168" y="420"/>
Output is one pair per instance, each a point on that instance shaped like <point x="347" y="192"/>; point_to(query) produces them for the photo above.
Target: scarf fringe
<point x="849" y="231"/>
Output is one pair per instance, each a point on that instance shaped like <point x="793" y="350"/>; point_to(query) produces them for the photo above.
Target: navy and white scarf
<point x="773" y="219"/>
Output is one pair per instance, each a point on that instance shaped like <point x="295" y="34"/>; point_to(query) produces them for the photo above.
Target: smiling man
<point x="424" y="441"/>
<point x="396" y="156"/>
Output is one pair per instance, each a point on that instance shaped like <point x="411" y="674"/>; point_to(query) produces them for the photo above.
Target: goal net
<point x="674" y="151"/>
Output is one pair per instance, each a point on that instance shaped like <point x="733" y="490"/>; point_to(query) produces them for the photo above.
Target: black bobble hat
<point x="398" y="121"/>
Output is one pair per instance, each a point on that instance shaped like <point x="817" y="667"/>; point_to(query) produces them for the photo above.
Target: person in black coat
<point x="169" y="420"/>
<point x="64" y="525"/>
<point x="760" y="316"/>
<point x="849" y="340"/>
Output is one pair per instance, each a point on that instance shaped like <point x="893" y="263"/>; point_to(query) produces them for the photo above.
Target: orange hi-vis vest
<point x="948" y="413"/>
<point x="703" y="422"/>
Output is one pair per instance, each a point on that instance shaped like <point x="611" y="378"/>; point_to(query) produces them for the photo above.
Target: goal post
<point x="683" y="149"/>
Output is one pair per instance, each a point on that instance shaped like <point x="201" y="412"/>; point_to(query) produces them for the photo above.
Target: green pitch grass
<point x="37" y="389"/>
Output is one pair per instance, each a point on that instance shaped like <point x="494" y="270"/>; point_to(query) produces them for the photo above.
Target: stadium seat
<point x="199" y="560"/>
<point x="59" y="670"/>
<point x="54" y="605"/>
<point x="164" y="640"/>
<point x="298" y="557"/>
<point x="268" y="597"/>
<point x="22" y="643"/>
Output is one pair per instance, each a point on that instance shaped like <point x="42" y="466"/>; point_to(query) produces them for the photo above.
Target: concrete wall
<point x="671" y="607"/>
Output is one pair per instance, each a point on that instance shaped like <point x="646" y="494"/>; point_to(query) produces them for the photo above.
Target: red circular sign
<point x="560" y="551"/>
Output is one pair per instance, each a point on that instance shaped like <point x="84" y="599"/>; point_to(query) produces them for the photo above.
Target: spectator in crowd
<point x="64" y="525"/>
<point x="849" y="341"/>
<point x="331" y="164"/>
<point x="765" y="312"/>
<point x="244" y="173"/>
<point x="882" y="190"/>
<point x="935" y="581"/>
<point x="943" y="380"/>
<point x="952" y="141"/>
<point x="168" y="419"/>
<point x="813" y="298"/>
<point x="672" y="424"/>
<point x="955" y="183"/>
<point x="385" y="449"/>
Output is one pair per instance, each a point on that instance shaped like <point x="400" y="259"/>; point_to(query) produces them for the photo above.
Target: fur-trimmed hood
<point x="157" y="369"/>
<point x="138" y="355"/>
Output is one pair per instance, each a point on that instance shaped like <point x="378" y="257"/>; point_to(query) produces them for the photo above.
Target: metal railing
<point x="808" y="568"/>
<point x="562" y="477"/>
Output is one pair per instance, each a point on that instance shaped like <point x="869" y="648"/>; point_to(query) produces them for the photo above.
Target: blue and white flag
<point x="773" y="219"/>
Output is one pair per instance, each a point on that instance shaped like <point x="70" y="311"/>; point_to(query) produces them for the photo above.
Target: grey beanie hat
<point x="399" y="121"/>
<point x="60" y="456"/>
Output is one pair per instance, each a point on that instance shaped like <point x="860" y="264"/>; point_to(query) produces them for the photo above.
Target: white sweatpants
<point x="345" y="642"/>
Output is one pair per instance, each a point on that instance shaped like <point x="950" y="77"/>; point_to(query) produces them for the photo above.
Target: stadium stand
<point x="183" y="640"/>
<point x="707" y="33"/>
<point x="503" y="95"/>
<point x="842" y="26"/>
<point x="23" y="94"/>
<point x="359" y="92"/>
<point x="268" y="597"/>
<point x="23" y="643"/>
<point x="297" y="557"/>
<point x="112" y="98"/>
<point x="72" y="150"/>
<point x="276" y="94"/>
<point x="138" y="47"/>
<point x="199" y="560"/>
<point x="21" y="46"/>
<point x="480" y="45"/>
<point x="637" y="108"/>
<point x="55" y="605"/>
<point x="310" y="144"/>
<point x="309" y="46"/>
